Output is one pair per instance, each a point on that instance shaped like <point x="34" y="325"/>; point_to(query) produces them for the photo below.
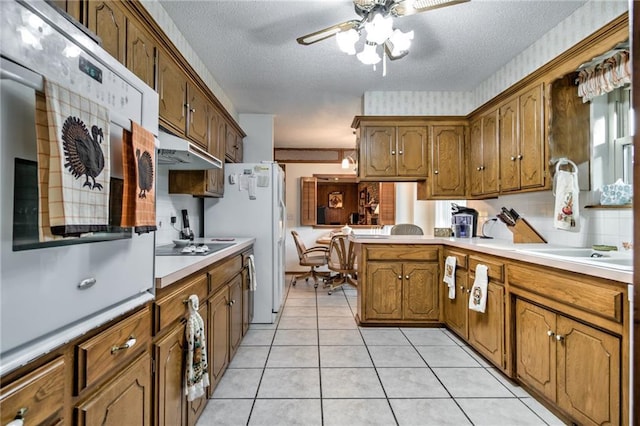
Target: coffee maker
<point x="464" y="221"/>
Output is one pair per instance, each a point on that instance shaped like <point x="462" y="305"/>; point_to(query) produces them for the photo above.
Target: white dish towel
<point x="252" y="273"/>
<point x="197" y="376"/>
<point x="567" y="191"/>
<point x="478" y="296"/>
<point x="450" y="275"/>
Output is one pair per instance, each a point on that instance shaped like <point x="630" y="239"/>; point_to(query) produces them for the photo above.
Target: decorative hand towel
<point x="252" y="272"/>
<point x="450" y="275"/>
<point x="79" y="174"/>
<point x="478" y="296"/>
<point x="567" y="192"/>
<point x="138" y="196"/>
<point x="43" y="146"/>
<point x="197" y="377"/>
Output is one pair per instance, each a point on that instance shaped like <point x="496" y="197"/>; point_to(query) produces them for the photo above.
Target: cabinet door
<point x="239" y="148"/>
<point x="308" y="200"/>
<point x="455" y="310"/>
<point x="531" y="152"/>
<point x="420" y="291"/>
<point x="72" y="7"/>
<point x="387" y="215"/>
<point x="412" y="151"/>
<point x="486" y="330"/>
<point x="247" y="301"/>
<point x="109" y="23"/>
<point x="447" y="161"/>
<point x="126" y="400"/>
<point x="490" y="154"/>
<point x="198" y="124"/>
<point x="172" y="92"/>
<point x="218" y="336"/>
<point x="235" y="316"/>
<point x="588" y="373"/>
<point x="215" y="182"/>
<point x="170" y="367"/>
<point x="230" y="144"/>
<point x="536" y="348"/>
<point x="508" y="136"/>
<point x="475" y="157"/>
<point x="384" y="290"/>
<point x="141" y="53"/>
<point x="379" y="154"/>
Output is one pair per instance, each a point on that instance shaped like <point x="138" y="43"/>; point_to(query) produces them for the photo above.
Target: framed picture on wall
<point x="335" y="200"/>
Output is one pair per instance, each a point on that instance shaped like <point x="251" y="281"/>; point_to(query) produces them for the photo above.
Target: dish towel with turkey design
<point x="196" y="374"/>
<point x="138" y="170"/>
<point x="450" y="275"/>
<point x="567" y="216"/>
<point x="478" y="295"/>
<point x="75" y="159"/>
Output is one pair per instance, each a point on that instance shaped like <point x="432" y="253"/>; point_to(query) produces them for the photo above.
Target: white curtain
<point x="605" y="76"/>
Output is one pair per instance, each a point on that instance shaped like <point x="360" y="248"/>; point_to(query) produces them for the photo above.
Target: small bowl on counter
<point x="181" y="243"/>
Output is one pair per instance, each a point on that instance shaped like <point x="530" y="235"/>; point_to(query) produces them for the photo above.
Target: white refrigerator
<point x="253" y="206"/>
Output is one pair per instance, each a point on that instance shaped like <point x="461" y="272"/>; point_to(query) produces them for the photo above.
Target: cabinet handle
<point x="478" y="168"/>
<point x="482" y="168"/>
<point x="513" y="158"/>
<point x="400" y="152"/>
<point x="435" y="172"/>
<point x="468" y="290"/>
<point x="128" y="344"/>
<point x="559" y="337"/>
<point x="393" y="152"/>
<point x="461" y="288"/>
<point x="406" y="277"/>
<point x="192" y="109"/>
<point x="18" y="419"/>
<point x="520" y="157"/>
<point x="231" y="302"/>
<point x="86" y="283"/>
<point x="550" y="333"/>
<point x="399" y="277"/>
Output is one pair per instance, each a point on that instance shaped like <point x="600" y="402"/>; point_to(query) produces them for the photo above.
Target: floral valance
<point x="604" y="76"/>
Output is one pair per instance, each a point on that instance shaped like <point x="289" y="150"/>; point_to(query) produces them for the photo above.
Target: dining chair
<point x="313" y="257"/>
<point x="342" y="260"/>
<point x="406" y="229"/>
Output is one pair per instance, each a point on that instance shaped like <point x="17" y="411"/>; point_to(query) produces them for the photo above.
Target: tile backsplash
<point x="172" y="205"/>
<point x="597" y="226"/>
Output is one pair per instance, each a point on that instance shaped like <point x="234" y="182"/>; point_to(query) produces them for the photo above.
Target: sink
<point x="624" y="262"/>
<point x="567" y="252"/>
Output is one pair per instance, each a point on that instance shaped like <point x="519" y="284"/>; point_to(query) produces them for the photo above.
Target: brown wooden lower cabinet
<point x="218" y="337"/>
<point x="486" y="330"/>
<point x="235" y="314"/>
<point x="169" y="396"/>
<point x="125" y="400"/>
<point x="400" y="291"/>
<point x="572" y="364"/>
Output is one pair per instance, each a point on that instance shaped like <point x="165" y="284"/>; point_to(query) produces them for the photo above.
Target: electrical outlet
<point x="173" y="219"/>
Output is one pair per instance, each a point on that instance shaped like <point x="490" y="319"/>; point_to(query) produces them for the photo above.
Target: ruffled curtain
<point x="604" y="77"/>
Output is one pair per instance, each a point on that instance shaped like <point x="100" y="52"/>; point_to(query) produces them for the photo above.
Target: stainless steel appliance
<point x="253" y="206"/>
<point x="54" y="292"/>
<point x="464" y="221"/>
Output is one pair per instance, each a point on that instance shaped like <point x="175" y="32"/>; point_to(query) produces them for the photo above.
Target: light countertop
<point x="506" y="249"/>
<point x="170" y="269"/>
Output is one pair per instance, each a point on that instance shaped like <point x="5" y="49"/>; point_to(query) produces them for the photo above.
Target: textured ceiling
<point x="314" y="91"/>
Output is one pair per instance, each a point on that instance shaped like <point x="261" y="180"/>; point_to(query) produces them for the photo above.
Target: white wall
<point x="258" y="144"/>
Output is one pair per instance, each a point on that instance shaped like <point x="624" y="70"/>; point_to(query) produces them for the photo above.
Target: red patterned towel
<point x="139" y="196"/>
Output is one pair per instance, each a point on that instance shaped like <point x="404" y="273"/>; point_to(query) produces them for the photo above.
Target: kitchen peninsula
<point x="548" y="318"/>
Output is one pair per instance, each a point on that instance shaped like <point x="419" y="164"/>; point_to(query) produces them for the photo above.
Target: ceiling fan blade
<point x="327" y="32"/>
<point x="411" y="7"/>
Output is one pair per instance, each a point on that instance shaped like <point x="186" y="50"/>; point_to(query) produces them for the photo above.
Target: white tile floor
<point x="315" y="366"/>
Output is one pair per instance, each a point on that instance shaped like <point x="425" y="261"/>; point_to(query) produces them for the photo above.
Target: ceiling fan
<point x="376" y="18"/>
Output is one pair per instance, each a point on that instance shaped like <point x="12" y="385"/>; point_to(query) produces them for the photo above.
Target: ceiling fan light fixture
<point x="379" y="28"/>
<point x="347" y="41"/>
<point x="369" y="55"/>
<point x="400" y="42"/>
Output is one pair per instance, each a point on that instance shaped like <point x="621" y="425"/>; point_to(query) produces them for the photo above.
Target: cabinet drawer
<point x="404" y="252"/>
<point x="589" y="295"/>
<point x="41" y="392"/>
<point x="224" y="271"/>
<point x="496" y="269"/>
<point x="461" y="258"/>
<point x="99" y="355"/>
<point x="173" y="305"/>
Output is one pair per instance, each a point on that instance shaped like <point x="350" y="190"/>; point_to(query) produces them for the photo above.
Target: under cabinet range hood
<point x="179" y="154"/>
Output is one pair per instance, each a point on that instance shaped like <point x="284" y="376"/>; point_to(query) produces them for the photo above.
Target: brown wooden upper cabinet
<point x="521" y="140"/>
<point x="447" y="175"/>
<point x="142" y="52"/>
<point x="483" y="156"/>
<point x="234" y="149"/>
<point x="391" y="151"/>
<point x="107" y="19"/>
